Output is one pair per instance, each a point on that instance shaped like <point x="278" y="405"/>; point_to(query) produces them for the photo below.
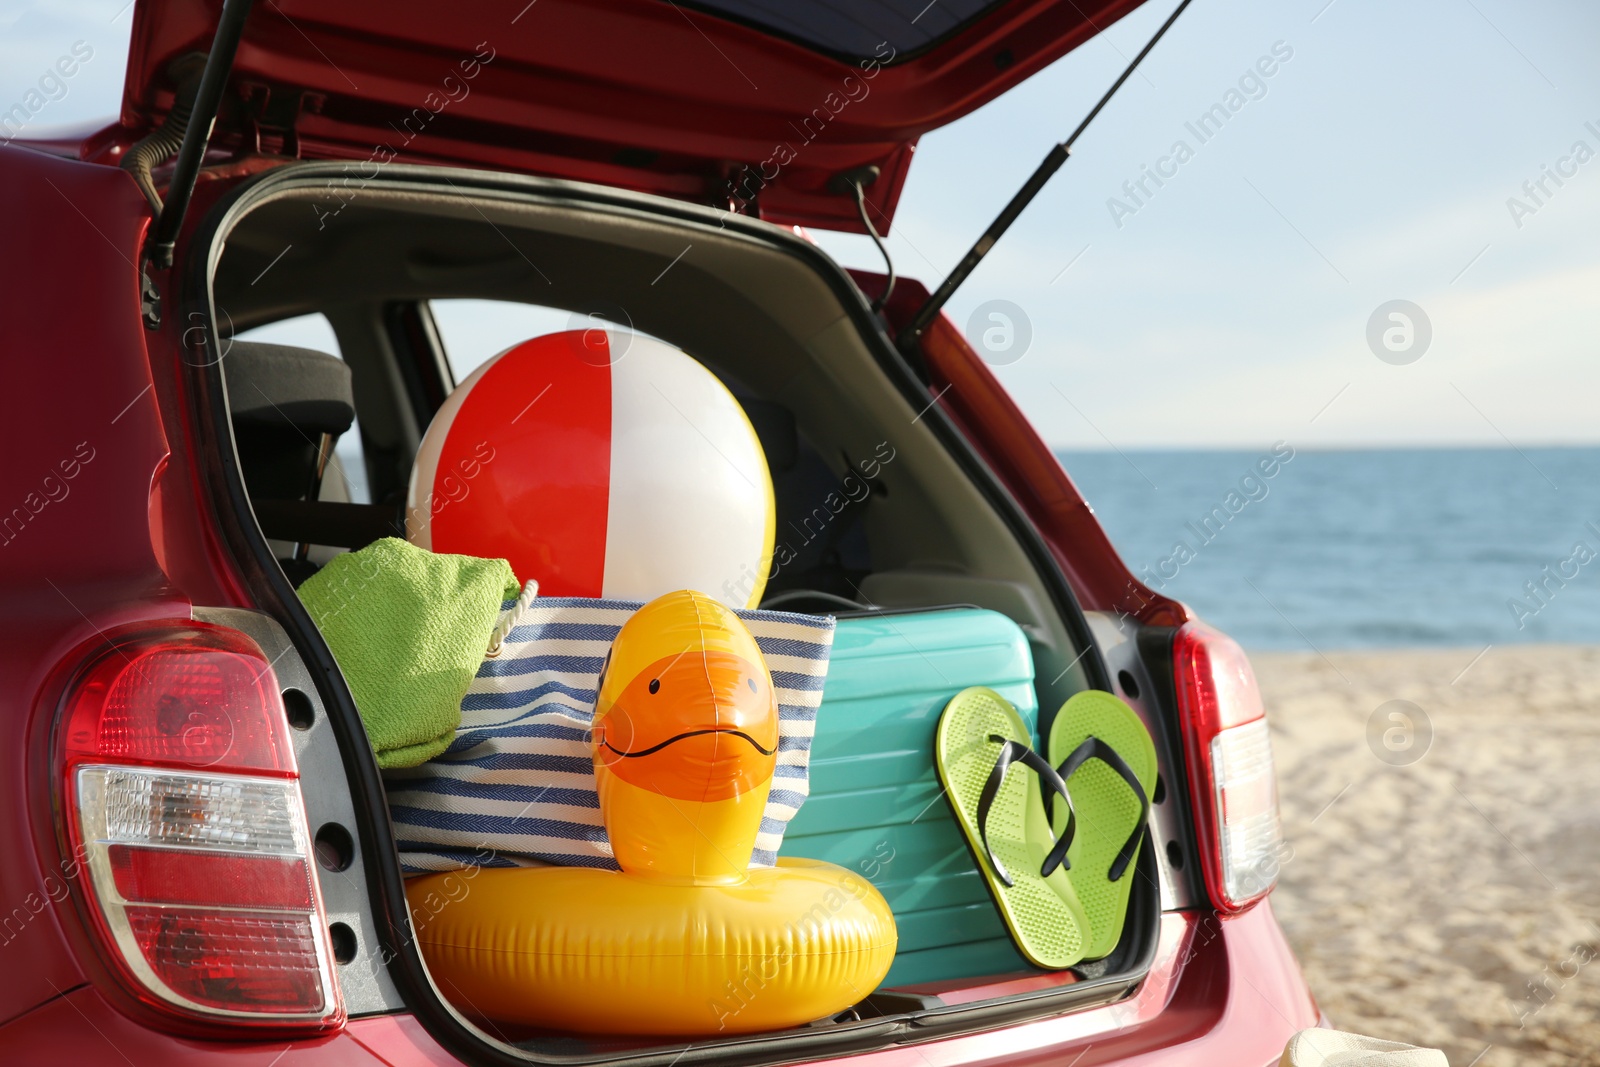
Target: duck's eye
<point x="655" y="686"/>
<point x="751" y="682"/>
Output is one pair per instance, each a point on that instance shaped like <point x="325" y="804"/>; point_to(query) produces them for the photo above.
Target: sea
<point x="1360" y="549"/>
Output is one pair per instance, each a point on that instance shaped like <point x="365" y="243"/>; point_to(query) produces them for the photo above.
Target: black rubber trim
<point x="1126" y="966"/>
<point x="1155" y="651"/>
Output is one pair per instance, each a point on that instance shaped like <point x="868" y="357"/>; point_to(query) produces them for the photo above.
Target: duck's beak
<point x="699" y="726"/>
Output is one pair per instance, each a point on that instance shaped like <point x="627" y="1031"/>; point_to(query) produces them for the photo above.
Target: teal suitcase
<point x="876" y="806"/>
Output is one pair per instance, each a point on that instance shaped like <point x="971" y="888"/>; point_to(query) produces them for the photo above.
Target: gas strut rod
<point x="208" y="98"/>
<point x="1057" y="155"/>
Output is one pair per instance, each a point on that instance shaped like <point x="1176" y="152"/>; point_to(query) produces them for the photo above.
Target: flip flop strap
<point x="1017" y="752"/>
<point x="1094" y="748"/>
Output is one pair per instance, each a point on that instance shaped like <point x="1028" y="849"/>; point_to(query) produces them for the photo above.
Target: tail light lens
<point x="1233" y="787"/>
<point x="183" y="803"/>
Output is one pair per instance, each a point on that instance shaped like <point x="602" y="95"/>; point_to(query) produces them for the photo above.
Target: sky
<point x="1230" y="305"/>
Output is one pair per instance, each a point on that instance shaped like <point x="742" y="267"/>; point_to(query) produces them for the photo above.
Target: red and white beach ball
<point x="600" y="463"/>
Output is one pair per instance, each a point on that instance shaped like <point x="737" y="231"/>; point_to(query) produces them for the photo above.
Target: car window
<point x="474" y="331"/>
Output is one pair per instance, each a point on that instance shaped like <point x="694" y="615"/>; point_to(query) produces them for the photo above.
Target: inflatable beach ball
<point x="600" y="463"/>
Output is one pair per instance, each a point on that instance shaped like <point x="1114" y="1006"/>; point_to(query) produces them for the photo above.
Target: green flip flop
<point x="1103" y="752"/>
<point x="980" y="743"/>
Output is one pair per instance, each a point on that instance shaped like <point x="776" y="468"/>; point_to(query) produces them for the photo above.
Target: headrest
<point x="280" y="385"/>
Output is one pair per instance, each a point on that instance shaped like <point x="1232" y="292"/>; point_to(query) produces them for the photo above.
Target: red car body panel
<point x="83" y="1027"/>
<point x="638" y="94"/>
<point x="104" y="522"/>
<point x="75" y="546"/>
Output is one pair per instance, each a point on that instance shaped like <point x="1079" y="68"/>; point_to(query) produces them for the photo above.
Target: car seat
<point x="288" y="407"/>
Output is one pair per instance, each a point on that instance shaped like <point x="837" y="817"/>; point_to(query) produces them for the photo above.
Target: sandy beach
<point x="1445" y="890"/>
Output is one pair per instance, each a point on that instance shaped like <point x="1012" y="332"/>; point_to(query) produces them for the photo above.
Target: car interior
<point x="916" y="533"/>
<point x="762" y="321"/>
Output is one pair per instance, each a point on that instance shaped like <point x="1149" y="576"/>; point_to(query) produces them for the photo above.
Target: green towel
<point x="409" y="629"/>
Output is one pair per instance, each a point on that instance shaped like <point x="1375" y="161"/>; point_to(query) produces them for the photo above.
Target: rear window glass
<point x="475" y="331"/>
<point x="880" y="29"/>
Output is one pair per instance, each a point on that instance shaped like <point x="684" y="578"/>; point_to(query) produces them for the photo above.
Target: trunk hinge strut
<point x="912" y="333"/>
<point x="191" y="154"/>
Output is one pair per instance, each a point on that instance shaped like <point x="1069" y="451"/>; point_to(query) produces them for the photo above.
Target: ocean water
<point x="1362" y="549"/>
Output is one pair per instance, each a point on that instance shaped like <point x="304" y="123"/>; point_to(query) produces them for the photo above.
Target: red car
<point x="360" y="160"/>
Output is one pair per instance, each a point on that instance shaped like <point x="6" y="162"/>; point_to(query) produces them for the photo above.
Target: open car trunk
<point x="794" y="340"/>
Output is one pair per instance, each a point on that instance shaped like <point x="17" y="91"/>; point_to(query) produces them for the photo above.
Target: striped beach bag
<point x="516" y="788"/>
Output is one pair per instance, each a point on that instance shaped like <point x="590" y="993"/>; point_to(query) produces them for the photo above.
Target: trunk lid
<point x="751" y="103"/>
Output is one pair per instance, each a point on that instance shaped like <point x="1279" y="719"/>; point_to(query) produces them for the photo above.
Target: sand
<point x="1449" y="893"/>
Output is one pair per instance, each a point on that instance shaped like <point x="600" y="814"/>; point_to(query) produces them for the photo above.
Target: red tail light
<point x="1233" y="788"/>
<point x="179" y="876"/>
<point x="183" y="799"/>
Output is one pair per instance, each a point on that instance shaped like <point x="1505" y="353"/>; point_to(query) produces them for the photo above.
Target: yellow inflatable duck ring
<point x="686" y="939"/>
